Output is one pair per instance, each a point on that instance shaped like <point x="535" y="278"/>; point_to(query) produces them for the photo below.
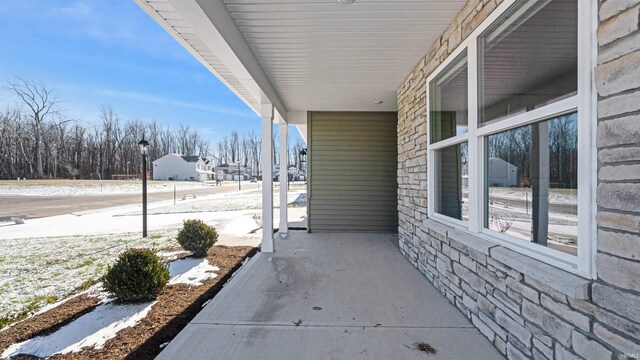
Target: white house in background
<point x="502" y="173"/>
<point x="230" y="171"/>
<point x="181" y="167"/>
<point x="294" y="173"/>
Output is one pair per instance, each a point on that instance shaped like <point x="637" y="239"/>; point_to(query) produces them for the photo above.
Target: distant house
<point x="232" y="171"/>
<point x="502" y="173"/>
<point x="294" y="173"/>
<point x="181" y="167"/>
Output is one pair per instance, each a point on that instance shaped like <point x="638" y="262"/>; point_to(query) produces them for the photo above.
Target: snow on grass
<point x="91" y="330"/>
<point x="235" y="201"/>
<point x="47" y="259"/>
<point x="191" y="271"/>
<point x="35" y="271"/>
<point x="556" y="196"/>
<point x="89" y="187"/>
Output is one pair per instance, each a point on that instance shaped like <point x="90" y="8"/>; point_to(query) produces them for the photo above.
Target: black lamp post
<point x="239" y="186"/>
<point x="303" y="159"/>
<point x="303" y="156"/>
<point x="144" y="147"/>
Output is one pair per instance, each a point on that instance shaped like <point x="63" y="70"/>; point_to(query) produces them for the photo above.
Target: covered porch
<point x="329" y="296"/>
<point x="329" y="68"/>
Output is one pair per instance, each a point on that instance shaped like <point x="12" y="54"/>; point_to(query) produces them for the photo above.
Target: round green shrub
<point x="138" y="275"/>
<point x="197" y="237"/>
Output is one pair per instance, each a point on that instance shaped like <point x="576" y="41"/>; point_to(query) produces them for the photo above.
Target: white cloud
<point x="78" y="9"/>
<point x="131" y="95"/>
<point x="98" y="20"/>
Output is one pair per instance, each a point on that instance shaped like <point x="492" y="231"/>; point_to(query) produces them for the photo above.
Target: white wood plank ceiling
<point x="323" y="55"/>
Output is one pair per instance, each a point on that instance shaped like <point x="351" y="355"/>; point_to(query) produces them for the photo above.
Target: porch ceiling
<point x="308" y="55"/>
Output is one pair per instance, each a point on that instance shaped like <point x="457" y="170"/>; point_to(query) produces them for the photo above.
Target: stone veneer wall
<point x="529" y="309"/>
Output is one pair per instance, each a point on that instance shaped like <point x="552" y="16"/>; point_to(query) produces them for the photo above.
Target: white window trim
<point x="585" y="102"/>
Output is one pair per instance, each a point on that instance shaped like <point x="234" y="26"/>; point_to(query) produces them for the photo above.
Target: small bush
<point x="138" y="275"/>
<point x="197" y="237"/>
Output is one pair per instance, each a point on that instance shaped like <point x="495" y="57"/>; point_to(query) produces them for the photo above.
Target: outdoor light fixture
<point x="303" y="156"/>
<point x="346" y="2"/>
<point x="144" y="148"/>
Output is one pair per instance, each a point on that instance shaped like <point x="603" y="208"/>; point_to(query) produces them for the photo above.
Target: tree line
<point x="37" y="140"/>
<point x="516" y="147"/>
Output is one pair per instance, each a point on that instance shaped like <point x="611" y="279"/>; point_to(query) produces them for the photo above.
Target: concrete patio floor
<point x="329" y="296"/>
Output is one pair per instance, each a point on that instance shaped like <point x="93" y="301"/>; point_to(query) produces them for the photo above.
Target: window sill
<point x="563" y="281"/>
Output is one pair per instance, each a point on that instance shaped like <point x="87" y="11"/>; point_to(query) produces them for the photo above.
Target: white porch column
<point x="266" y="114"/>
<point x="284" y="177"/>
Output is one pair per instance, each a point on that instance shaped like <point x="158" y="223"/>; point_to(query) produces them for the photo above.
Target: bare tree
<point x="41" y="101"/>
<point x="234" y="146"/>
<point x="294" y="153"/>
<point x="9" y="134"/>
<point x="37" y="140"/>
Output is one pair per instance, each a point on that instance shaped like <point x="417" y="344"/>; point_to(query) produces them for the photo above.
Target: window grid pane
<point x="448" y="105"/>
<point x="452" y="181"/>
<point x="528" y="59"/>
<point x="531" y="183"/>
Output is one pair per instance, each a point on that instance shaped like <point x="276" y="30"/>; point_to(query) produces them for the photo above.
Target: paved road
<point x="32" y="207"/>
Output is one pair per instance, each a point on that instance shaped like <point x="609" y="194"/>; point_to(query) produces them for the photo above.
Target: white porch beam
<point x="284" y="177"/>
<point x="218" y="30"/>
<point x="266" y="116"/>
<point x="299" y="120"/>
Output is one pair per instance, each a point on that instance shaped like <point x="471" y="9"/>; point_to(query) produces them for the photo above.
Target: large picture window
<point x="531" y="183"/>
<point x="510" y="135"/>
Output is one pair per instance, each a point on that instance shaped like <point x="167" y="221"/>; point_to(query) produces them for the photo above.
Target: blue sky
<point x="109" y="52"/>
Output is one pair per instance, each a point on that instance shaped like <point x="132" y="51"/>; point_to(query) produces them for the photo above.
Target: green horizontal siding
<point x="353" y="172"/>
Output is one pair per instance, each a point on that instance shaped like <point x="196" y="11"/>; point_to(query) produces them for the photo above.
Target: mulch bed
<point x="176" y="306"/>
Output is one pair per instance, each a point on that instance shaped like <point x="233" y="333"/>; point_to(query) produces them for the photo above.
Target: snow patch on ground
<point x="85" y="188"/>
<point x="191" y="271"/>
<point x="171" y="255"/>
<point x="240" y="226"/>
<point x="91" y="330"/>
<point x="47" y="259"/>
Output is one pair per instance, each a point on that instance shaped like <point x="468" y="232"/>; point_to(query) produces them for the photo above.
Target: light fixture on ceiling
<point x="378" y="102"/>
<point x="346" y="2"/>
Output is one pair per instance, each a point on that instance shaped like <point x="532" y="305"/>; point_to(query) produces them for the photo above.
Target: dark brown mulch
<point x="176" y="306"/>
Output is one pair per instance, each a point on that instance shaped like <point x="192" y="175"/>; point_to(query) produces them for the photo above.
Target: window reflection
<point x="452" y="181"/>
<point x="448" y="101"/>
<point x="528" y="58"/>
<point x="532" y="185"/>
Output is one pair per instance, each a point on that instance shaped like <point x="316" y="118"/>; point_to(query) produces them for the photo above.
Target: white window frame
<point x="584" y="102"/>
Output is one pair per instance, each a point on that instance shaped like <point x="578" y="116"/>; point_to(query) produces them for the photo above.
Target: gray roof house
<point x="230" y="171"/>
<point x="402" y="105"/>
